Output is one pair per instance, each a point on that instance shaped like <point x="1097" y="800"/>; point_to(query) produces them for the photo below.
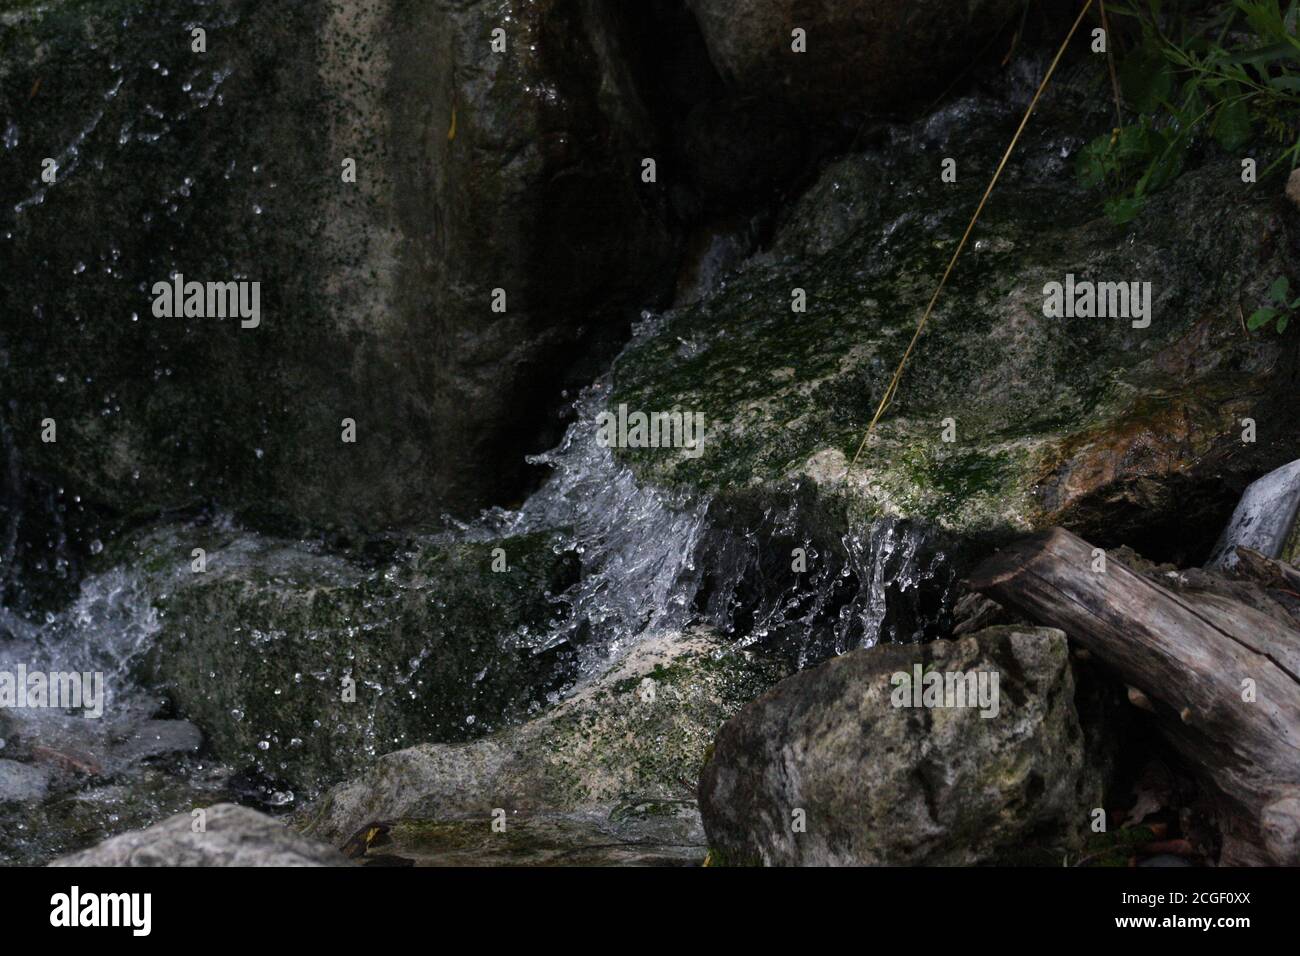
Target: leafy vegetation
<point x="1278" y="310"/>
<point x="1192" y="74"/>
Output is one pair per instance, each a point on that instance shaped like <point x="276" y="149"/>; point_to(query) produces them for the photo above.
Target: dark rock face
<point x="475" y="171"/>
<point x="876" y="784"/>
<point x="873" y="53"/>
<point x="233" y="836"/>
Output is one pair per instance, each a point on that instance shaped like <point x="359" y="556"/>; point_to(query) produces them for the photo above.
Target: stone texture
<point x="256" y="649"/>
<point x="860" y="53"/>
<point x="475" y="171"/>
<point x="1120" y="433"/>
<point x="886" y="785"/>
<point x="647" y="833"/>
<point x="234" y="836"/>
<point x="639" y="732"/>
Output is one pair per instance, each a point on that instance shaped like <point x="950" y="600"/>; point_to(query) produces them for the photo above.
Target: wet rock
<point x="640" y="834"/>
<point x="76" y="814"/>
<point x="639" y="731"/>
<point x="873" y="783"/>
<point x="1122" y="432"/>
<point x="22" y="782"/>
<point x="156" y="738"/>
<point x="233" y="836"/>
<point x="474" y="171"/>
<point x="305" y="666"/>
<point x="880" y="54"/>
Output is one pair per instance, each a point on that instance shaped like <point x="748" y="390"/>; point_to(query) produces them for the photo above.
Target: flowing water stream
<point x="651" y="560"/>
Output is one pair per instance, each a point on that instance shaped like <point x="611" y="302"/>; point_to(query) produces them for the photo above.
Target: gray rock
<point x="22" y="782"/>
<point x="880" y="784"/>
<point x="1117" y="432"/>
<point x="860" y="53"/>
<point x="474" y="171"/>
<point x="639" y="731"/>
<point x="233" y="836"/>
<point x="1265" y="518"/>
<point x="257" y="650"/>
<point x="154" y="738"/>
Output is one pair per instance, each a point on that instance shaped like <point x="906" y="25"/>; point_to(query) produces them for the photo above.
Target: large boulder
<point x="475" y="171"/>
<point x="1005" y="419"/>
<point x="859" y="53"/>
<point x="228" y="835"/>
<point x="304" y="666"/>
<point x="638" y="731"/>
<point x="828" y="769"/>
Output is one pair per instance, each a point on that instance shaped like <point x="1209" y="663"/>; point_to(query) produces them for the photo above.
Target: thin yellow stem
<point x="893" y="384"/>
<point x="1110" y="64"/>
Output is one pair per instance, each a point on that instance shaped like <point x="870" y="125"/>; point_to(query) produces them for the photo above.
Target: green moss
<point x="257" y="649"/>
<point x="786" y="395"/>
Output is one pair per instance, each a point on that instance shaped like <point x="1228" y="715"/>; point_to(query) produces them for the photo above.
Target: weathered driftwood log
<point x="1276" y="574"/>
<point x="1225" y="678"/>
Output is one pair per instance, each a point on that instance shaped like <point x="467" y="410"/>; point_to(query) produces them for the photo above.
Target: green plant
<point x="1227" y="72"/>
<point x="1279" y="310"/>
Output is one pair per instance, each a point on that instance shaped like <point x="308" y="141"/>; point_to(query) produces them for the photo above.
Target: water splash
<point x="656" y="560"/>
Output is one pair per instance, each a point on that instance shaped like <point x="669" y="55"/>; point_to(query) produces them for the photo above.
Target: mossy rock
<point x="637" y="734"/>
<point x="1085" y="421"/>
<point x="304" y="665"/>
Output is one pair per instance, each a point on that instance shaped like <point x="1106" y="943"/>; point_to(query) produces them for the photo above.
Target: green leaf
<point x="1167" y="165"/>
<point x="1282" y="322"/>
<point x="1264" y="17"/>
<point x="1278" y="290"/>
<point x="1093" y="162"/>
<point x="1265" y="55"/>
<point x="1146" y="79"/>
<point x="1124" y="209"/>
<point x="1232" y="126"/>
<point x="1260" y="317"/>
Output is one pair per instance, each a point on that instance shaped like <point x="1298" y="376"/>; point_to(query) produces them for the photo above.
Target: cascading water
<point x="89" y="772"/>
<point x="656" y="560"/>
<point x="651" y="560"/>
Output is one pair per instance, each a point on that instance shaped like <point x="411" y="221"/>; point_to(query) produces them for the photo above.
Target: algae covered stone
<point x="1005" y="419"/>
<point x="639" y="731"/>
<point x="305" y="665"/>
